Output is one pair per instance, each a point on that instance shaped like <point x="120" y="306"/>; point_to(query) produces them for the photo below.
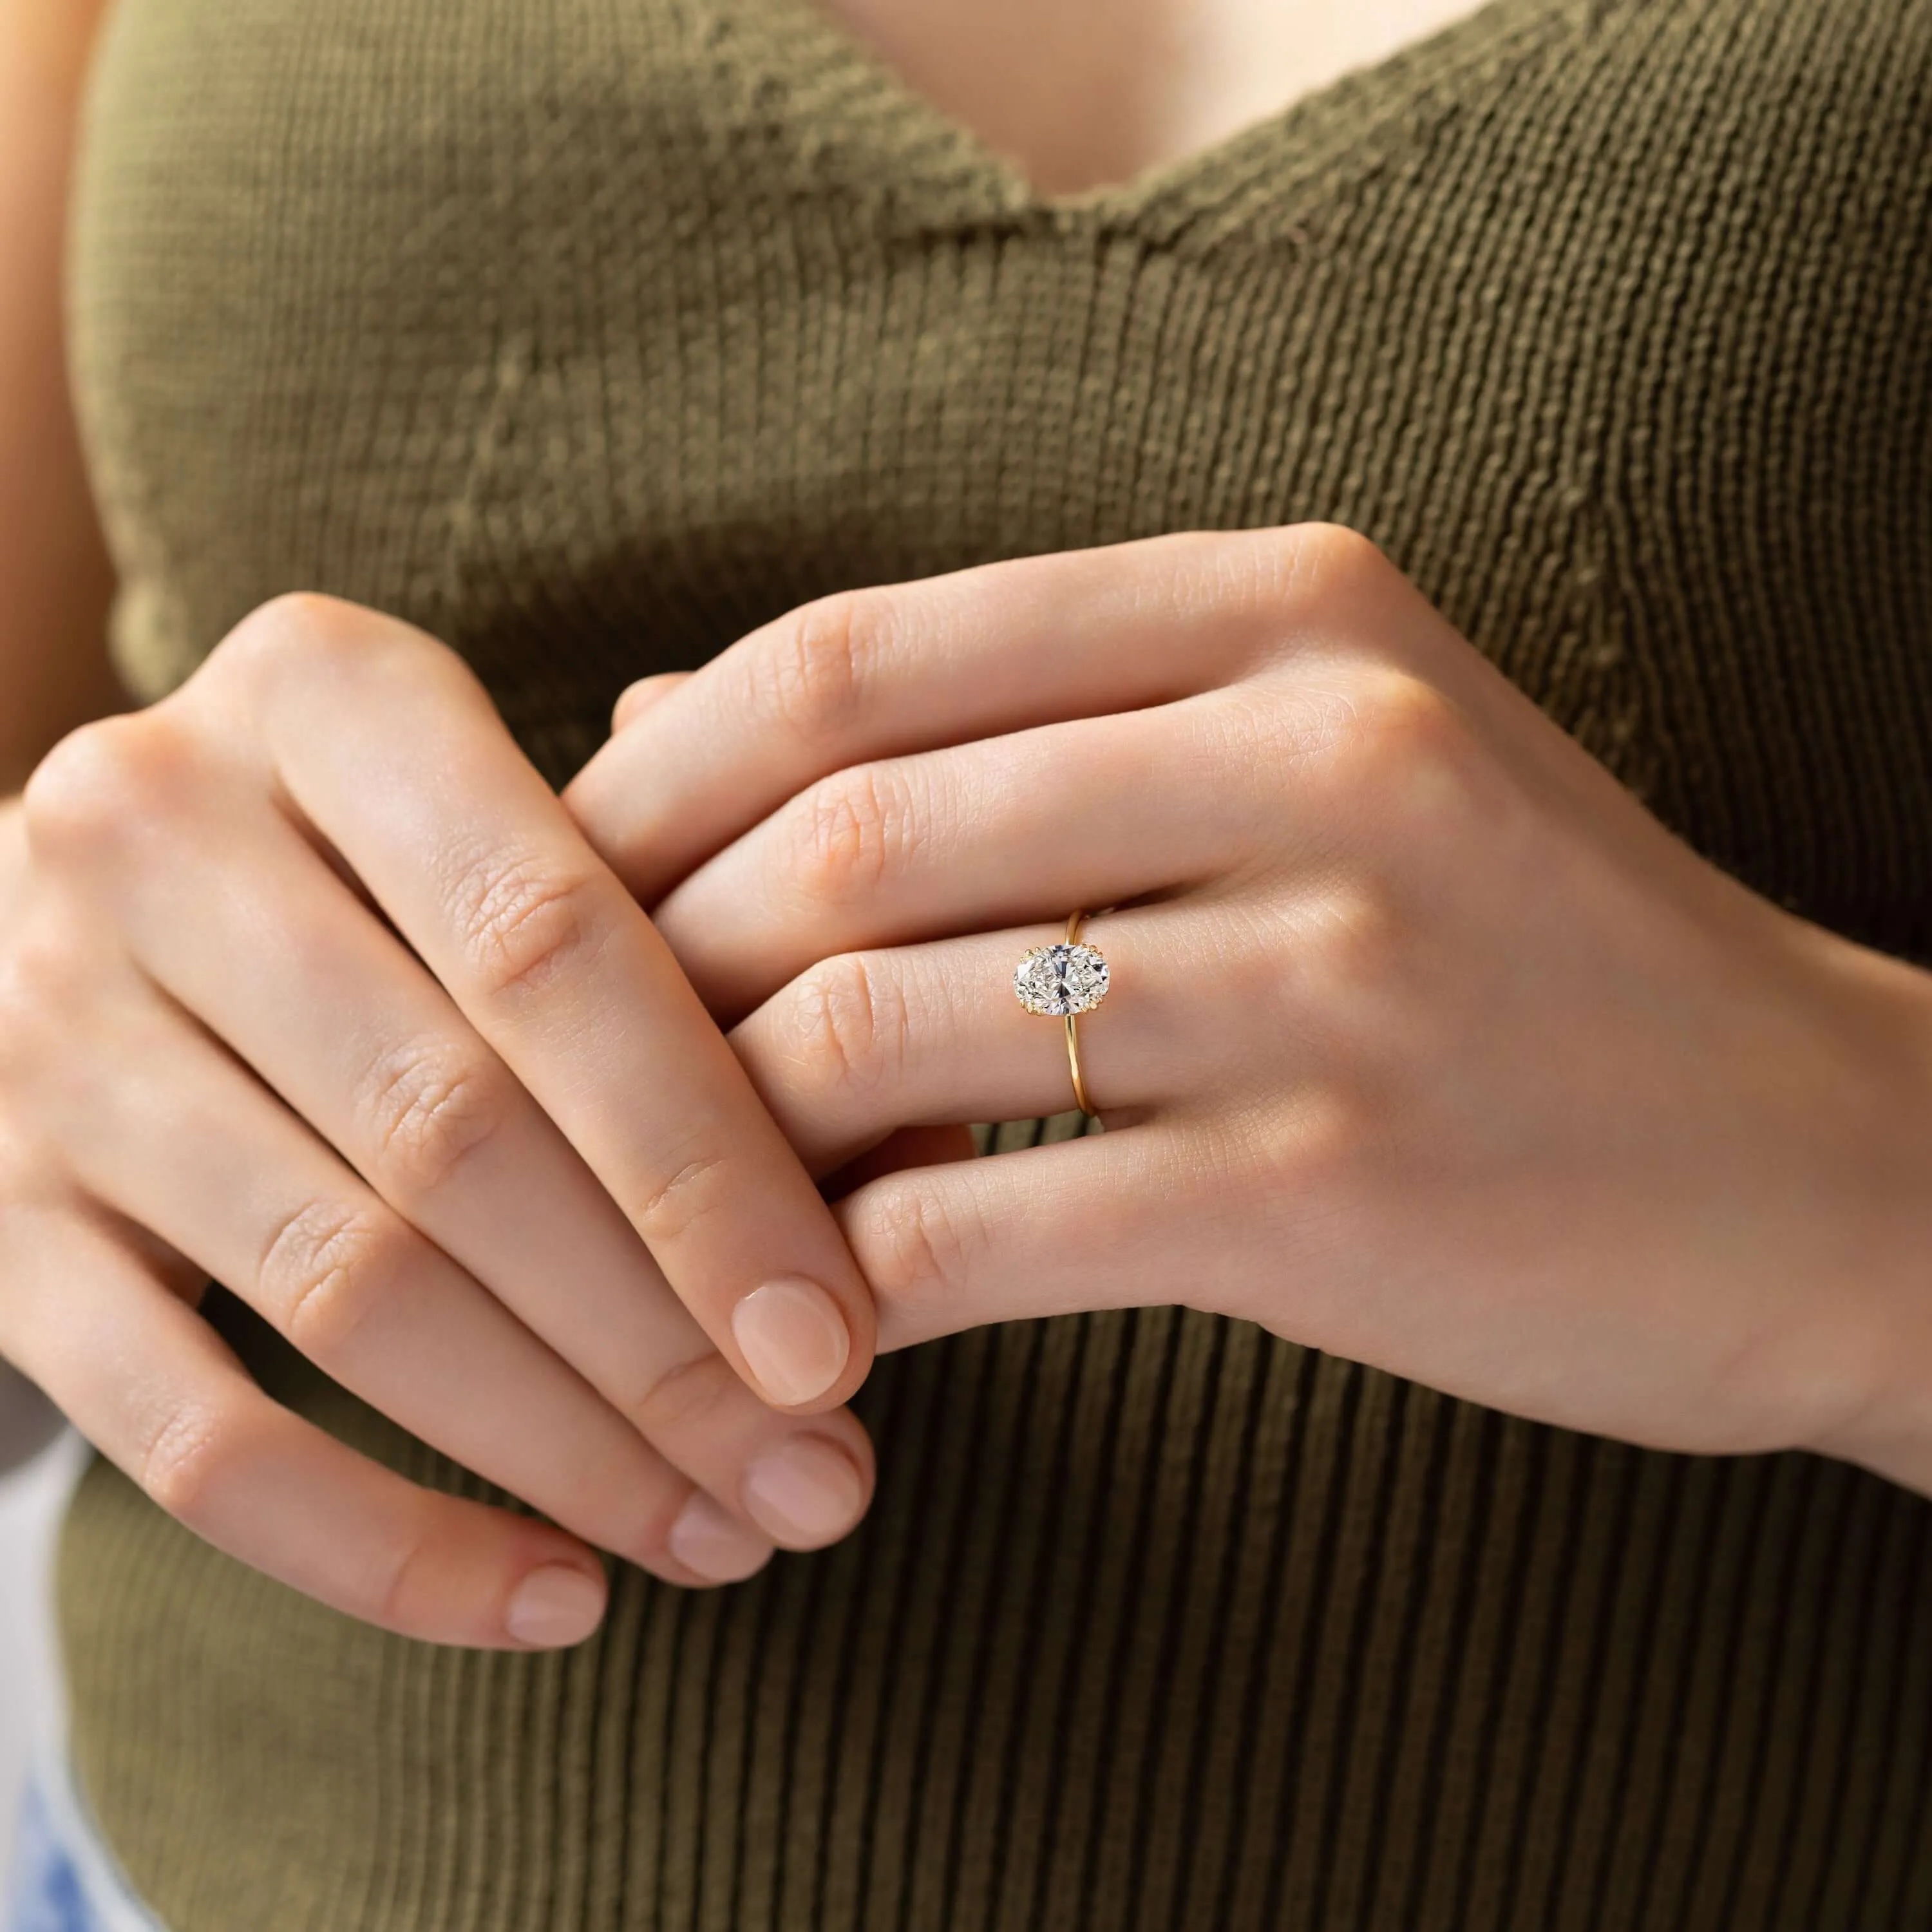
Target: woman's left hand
<point x="1426" y="1044"/>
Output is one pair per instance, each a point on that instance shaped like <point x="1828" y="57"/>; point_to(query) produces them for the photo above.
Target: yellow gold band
<point x="1073" y="925"/>
<point x="1061" y="980"/>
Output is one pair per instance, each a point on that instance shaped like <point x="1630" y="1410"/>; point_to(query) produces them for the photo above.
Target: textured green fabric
<point x="588" y="335"/>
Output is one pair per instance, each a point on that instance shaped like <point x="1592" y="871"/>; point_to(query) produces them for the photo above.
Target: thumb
<point x="636" y="699"/>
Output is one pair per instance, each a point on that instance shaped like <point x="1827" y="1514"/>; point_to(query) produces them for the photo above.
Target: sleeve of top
<point x="28" y="1421"/>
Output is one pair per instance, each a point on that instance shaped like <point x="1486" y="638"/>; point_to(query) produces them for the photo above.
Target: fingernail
<point x="793" y="1339"/>
<point x="554" y="1606"/>
<point x="805" y="1490"/>
<point x="707" y="1538"/>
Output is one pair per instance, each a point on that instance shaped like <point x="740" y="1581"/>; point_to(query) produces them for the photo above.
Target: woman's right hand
<point x="309" y="984"/>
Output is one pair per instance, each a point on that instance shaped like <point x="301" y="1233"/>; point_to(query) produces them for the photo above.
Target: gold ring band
<point x="1073" y="925"/>
<point x="1064" y="980"/>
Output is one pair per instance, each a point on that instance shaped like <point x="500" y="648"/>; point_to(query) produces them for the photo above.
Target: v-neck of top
<point x="856" y="119"/>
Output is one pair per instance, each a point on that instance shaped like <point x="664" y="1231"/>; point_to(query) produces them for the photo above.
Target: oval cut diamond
<point x="1061" y="978"/>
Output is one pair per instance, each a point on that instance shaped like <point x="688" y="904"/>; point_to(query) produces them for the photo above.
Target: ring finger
<point x="865" y="1043"/>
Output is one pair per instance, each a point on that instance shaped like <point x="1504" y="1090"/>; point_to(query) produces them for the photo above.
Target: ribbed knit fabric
<point x="589" y="333"/>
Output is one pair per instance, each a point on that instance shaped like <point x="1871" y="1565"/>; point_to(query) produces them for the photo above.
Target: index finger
<point x="387" y="744"/>
<point x="898" y="668"/>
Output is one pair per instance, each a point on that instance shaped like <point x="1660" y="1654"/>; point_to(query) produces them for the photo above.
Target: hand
<point x="1426" y="1044"/>
<point x="308" y="983"/>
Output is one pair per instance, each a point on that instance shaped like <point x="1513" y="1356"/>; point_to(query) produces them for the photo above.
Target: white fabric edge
<point x="29" y="1422"/>
<point x="110" y="1898"/>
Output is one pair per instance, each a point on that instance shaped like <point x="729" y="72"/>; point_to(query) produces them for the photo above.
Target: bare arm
<point x="55" y="578"/>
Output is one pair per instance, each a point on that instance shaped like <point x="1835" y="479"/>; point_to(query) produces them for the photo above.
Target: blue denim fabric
<point x="44" y="1892"/>
<point x="65" y="1879"/>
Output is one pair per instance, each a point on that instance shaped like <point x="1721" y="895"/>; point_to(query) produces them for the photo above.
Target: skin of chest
<point x="1085" y="93"/>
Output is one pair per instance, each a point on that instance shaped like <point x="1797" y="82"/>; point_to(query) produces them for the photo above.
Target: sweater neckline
<point x="853" y="115"/>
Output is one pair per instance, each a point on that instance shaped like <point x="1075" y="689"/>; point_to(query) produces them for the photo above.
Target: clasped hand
<point x="1427" y="1045"/>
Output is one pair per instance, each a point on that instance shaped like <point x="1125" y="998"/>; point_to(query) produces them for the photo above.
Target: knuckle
<point x="851" y="835"/>
<point x="45" y="975"/>
<point x="1300" y="1167"/>
<point x="185" y="1459"/>
<point x="102" y="786"/>
<point x="1326" y="1152"/>
<point x="848" y="1025"/>
<point x="1283" y="569"/>
<point x="29" y="1173"/>
<point x="1348" y="941"/>
<point x="693" y="1190"/>
<point x="1220" y="574"/>
<point x="398" y="1565"/>
<point x="1407" y="739"/>
<point x="918" y="1246"/>
<point x="1343" y="971"/>
<point x="676" y="1398"/>
<point x="325" y="1269"/>
<point x="1323" y="561"/>
<point x="428" y="1105"/>
<point x="330" y="648"/>
<point x="298" y="624"/>
<point x="817" y="672"/>
<point x="520" y="921"/>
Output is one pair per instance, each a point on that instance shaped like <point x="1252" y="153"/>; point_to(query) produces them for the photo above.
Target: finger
<point x="996" y="833"/>
<point x="636" y="699"/>
<point x="875" y="673"/>
<point x="904" y="1147"/>
<point x="863" y="1043"/>
<point x="153" y="1386"/>
<point x="198" y="1152"/>
<point x="469" y="852"/>
<point x="285" y="964"/>
<point x="1096" y="1222"/>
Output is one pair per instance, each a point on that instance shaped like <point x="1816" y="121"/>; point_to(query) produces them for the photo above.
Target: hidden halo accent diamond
<point x="1061" y="978"/>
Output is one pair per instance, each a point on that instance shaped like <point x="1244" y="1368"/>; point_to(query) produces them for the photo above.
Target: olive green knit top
<point x="588" y="333"/>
